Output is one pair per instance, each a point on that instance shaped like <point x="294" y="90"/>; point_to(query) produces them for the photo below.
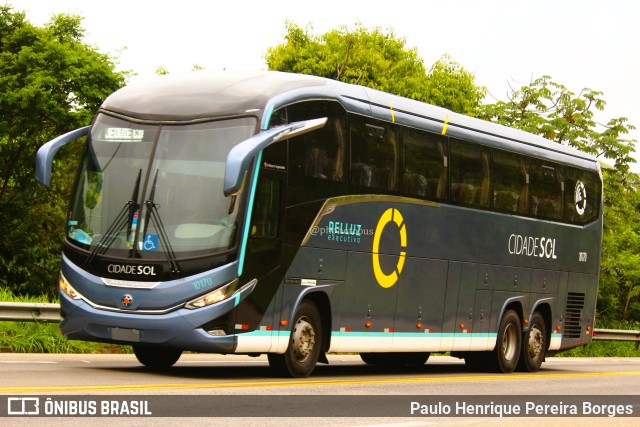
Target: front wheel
<point x="156" y="357"/>
<point x="507" y="352"/>
<point x="303" y="351"/>
<point x="534" y="345"/>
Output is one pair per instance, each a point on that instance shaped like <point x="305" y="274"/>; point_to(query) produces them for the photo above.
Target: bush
<point x="40" y="337"/>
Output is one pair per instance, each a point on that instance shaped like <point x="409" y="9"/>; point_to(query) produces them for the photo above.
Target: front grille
<point x="573" y="315"/>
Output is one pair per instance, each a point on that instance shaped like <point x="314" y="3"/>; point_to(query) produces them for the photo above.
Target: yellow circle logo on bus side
<point x="388" y="280"/>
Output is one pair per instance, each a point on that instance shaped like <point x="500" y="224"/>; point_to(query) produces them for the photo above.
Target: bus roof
<point x="203" y="95"/>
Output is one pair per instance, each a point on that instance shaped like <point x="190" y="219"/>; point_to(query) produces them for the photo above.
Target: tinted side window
<point x="510" y="176"/>
<point x="374" y="155"/>
<point x="546" y="188"/>
<point x="582" y="196"/>
<point x="318" y="154"/>
<point x="425" y="165"/>
<point x="470" y="174"/>
<point x="316" y="161"/>
<point x="265" y="219"/>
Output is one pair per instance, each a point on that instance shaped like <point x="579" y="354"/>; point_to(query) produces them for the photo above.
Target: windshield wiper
<point x="124" y="217"/>
<point x="153" y="215"/>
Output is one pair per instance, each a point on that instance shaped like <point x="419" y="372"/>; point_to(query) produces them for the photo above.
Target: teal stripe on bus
<point x="414" y="334"/>
<point x="247" y="220"/>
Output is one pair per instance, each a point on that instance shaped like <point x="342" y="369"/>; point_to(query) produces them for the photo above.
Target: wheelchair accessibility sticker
<point x="150" y="242"/>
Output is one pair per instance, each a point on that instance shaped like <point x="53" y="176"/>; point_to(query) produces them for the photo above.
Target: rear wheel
<point x="507" y="352"/>
<point x="303" y="351"/>
<point x="156" y="357"/>
<point x="534" y="345"/>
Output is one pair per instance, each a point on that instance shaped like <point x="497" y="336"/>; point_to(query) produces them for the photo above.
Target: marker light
<point x="67" y="288"/>
<point x="213" y="296"/>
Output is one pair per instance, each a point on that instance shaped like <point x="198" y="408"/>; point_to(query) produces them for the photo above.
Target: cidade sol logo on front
<point x="139" y="270"/>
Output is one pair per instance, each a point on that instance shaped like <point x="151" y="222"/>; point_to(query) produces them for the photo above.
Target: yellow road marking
<point x="307" y="382"/>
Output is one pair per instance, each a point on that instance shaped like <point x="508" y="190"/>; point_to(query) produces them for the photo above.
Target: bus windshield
<point x="151" y="190"/>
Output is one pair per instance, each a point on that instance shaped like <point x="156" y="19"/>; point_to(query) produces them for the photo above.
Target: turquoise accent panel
<point x="412" y="334"/>
<point x="259" y="333"/>
<point x="265" y="119"/>
<point x="247" y="221"/>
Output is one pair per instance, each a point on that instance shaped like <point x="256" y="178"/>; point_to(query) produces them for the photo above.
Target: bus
<point x="294" y="216"/>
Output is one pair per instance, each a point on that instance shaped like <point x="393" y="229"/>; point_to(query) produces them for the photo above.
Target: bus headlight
<point x="213" y="296"/>
<point x="67" y="288"/>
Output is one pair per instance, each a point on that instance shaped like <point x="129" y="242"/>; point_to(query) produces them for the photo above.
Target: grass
<point x="41" y="337"/>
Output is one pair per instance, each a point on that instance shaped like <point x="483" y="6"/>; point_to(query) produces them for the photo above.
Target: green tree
<point x="450" y="86"/>
<point x="619" y="293"/>
<point x="51" y="82"/>
<point x="547" y="108"/>
<point x="376" y="59"/>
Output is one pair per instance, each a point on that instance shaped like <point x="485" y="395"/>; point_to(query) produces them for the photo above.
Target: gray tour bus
<point x="292" y="215"/>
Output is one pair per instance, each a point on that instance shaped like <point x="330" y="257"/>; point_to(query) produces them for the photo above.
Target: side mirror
<point x="241" y="155"/>
<point x="46" y="153"/>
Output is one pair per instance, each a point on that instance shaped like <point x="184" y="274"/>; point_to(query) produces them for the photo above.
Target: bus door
<point x="263" y="257"/>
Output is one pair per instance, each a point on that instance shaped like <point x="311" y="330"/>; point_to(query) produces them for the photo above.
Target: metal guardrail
<point x="44" y="312"/>
<point x="617" y="335"/>
<point x="29" y="312"/>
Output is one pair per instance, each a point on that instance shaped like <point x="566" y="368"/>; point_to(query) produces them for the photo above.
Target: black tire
<point x="509" y="344"/>
<point x="534" y="345"/>
<point x="156" y="357"/>
<point x="303" y="351"/>
<point x="395" y="359"/>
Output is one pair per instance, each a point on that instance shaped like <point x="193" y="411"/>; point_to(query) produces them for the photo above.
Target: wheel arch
<point x="516" y="304"/>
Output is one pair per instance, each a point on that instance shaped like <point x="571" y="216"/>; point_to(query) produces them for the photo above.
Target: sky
<point x="505" y="43"/>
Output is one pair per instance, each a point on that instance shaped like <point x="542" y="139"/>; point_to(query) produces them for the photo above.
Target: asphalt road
<point x="198" y="382"/>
